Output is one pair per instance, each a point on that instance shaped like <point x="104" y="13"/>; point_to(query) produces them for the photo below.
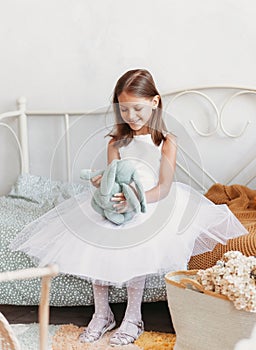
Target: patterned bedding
<point x="30" y="197"/>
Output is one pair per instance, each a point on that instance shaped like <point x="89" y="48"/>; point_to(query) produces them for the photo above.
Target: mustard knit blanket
<point x="241" y="200"/>
<point x="237" y="197"/>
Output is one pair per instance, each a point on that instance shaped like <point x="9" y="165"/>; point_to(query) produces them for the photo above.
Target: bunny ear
<point x="87" y="174"/>
<point x="108" y="178"/>
<point x="140" y="191"/>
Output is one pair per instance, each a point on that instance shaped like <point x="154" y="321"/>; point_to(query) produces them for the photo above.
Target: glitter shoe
<point x="127" y="333"/>
<point x="95" y="330"/>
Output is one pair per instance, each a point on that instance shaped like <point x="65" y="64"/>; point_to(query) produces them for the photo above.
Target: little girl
<point x="151" y="244"/>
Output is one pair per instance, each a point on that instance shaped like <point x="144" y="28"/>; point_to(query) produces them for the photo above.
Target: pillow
<point x="43" y="190"/>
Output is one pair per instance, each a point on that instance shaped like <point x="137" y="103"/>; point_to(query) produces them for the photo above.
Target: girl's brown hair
<point x="140" y="83"/>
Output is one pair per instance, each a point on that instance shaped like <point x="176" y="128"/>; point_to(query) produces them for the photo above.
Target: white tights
<point x="103" y="318"/>
<point x="134" y="294"/>
<point x="101" y="300"/>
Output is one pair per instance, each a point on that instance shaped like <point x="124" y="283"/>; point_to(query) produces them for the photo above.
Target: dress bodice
<point x="145" y="156"/>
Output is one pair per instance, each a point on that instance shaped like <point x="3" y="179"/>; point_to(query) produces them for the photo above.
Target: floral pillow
<point x="43" y="190"/>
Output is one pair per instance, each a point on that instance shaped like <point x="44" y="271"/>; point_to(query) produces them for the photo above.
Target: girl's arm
<point x="113" y="152"/>
<point x="167" y="168"/>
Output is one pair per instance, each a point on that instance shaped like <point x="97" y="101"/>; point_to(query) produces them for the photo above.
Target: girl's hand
<point x="121" y="205"/>
<point x="96" y="180"/>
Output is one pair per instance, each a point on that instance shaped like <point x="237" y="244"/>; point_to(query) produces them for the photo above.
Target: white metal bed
<point x="202" y="113"/>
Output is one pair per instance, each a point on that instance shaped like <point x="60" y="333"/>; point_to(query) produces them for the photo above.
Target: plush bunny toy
<point x="116" y="178"/>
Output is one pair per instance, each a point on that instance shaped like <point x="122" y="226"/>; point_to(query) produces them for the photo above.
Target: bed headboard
<point x="215" y="126"/>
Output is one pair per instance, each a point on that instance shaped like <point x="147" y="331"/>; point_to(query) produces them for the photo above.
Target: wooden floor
<point x="155" y="315"/>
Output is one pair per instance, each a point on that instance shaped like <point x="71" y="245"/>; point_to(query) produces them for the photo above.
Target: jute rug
<point x="65" y="337"/>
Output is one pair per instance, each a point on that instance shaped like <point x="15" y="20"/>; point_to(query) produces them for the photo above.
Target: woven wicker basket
<point x="202" y="319"/>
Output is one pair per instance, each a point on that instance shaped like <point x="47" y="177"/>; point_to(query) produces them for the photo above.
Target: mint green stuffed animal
<point x="115" y="179"/>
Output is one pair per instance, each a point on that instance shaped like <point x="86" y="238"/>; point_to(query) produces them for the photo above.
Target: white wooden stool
<point x="8" y="340"/>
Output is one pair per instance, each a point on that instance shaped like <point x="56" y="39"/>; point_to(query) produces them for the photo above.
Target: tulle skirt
<point x="163" y="239"/>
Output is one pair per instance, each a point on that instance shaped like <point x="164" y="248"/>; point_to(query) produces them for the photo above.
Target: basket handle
<point x="189" y="281"/>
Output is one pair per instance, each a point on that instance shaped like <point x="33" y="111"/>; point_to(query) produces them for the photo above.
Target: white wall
<point x="68" y="54"/>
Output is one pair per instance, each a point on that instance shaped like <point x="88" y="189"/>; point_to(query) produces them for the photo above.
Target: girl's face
<point x="136" y="111"/>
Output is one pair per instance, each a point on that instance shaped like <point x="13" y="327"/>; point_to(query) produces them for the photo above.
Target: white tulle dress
<point x="163" y="239"/>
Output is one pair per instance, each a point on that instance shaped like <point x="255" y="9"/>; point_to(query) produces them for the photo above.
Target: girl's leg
<point x="132" y="325"/>
<point x="103" y="318"/>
